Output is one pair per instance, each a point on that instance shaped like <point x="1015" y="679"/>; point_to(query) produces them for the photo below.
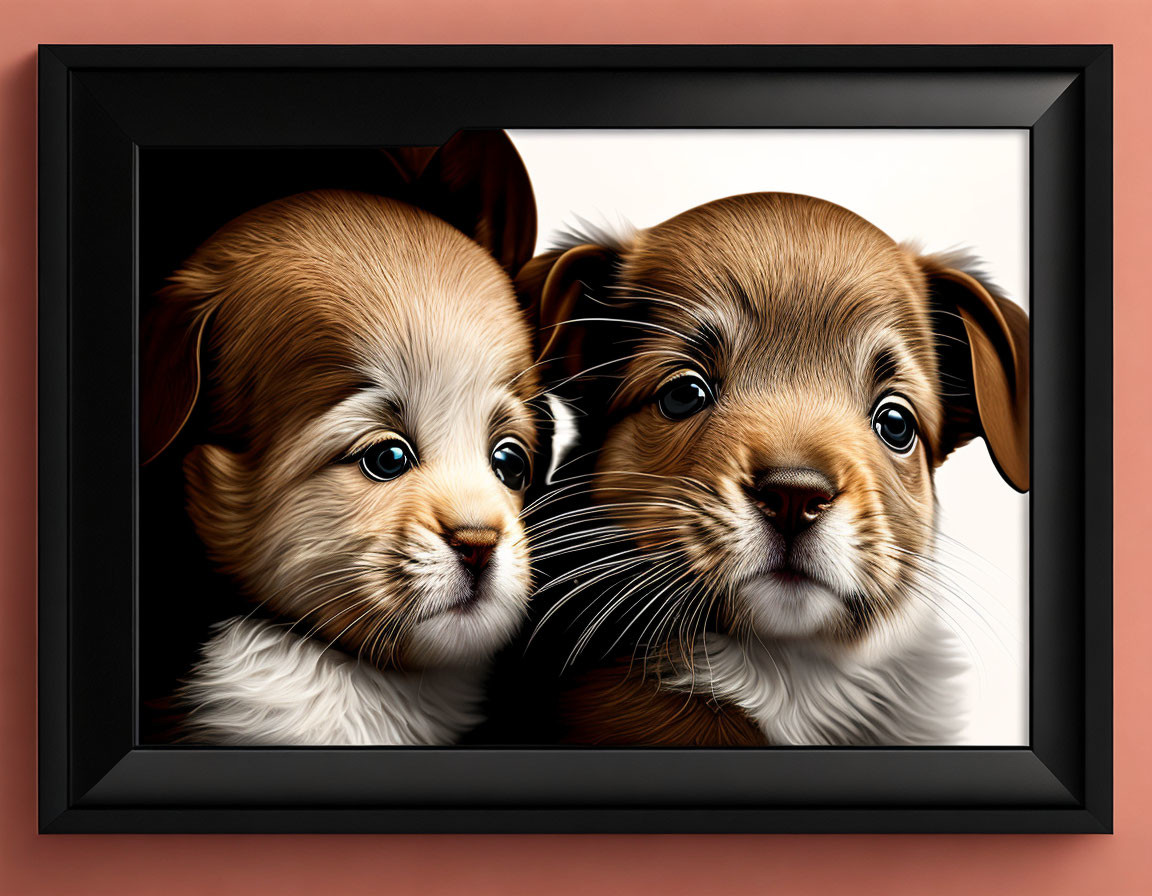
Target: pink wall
<point x="1120" y="864"/>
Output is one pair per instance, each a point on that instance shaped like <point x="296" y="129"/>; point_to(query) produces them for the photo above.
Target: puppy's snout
<point x="473" y="545"/>
<point x="793" y="498"/>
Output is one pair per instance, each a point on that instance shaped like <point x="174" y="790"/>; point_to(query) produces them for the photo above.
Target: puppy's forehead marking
<point x="453" y="377"/>
<point x="449" y="340"/>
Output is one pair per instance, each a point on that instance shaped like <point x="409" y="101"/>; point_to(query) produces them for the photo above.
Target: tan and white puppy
<point x="361" y="371"/>
<point x="777" y="381"/>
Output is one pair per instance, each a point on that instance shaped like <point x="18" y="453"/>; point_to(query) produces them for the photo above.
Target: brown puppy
<point x="363" y="372"/>
<point x="777" y="381"/>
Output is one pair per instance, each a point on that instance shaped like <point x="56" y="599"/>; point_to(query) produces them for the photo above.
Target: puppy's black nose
<point x="793" y="497"/>
<point x="474" y="545"/>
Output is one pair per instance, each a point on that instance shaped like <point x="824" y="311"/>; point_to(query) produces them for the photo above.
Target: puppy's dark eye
<point x="895" y="424"/>
<point x="684" y="395"/>
<point x="387" y="460"/>
<point x="510" y="464"/>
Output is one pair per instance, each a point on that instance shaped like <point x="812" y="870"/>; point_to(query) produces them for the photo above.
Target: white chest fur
<point x="258" y="683"/>
<point x="803" y="694"/>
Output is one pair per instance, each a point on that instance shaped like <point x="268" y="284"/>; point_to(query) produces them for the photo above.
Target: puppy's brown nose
<point x="474" y="545"/>
<point x="793" y="497"/>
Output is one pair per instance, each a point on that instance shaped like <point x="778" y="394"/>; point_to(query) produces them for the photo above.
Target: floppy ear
<point x="171" y="336"/>
<point x="982" y="345"/>
<point x="562" y="291"/>
<point x="567" y="297"/>
<point x="564" y="294"/>
<point x="478" y="184"/>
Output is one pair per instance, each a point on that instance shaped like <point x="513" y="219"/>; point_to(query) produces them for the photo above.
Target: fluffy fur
<point x="796" y="694"/>
<point x="802" y="319"/>
<point x="258" y="683"/>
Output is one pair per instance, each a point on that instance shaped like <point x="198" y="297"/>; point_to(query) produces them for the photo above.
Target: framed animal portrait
<point x="575" y="439"/>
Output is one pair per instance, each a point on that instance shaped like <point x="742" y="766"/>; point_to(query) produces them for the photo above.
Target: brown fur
<point x="802" y="314"/>
<point x="616" y="704"/>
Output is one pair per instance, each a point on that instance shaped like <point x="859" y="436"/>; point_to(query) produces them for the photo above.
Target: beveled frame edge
<point x="52" y="429"/>
<point x="1098" y="418"/>
<point x="1078" y="795"/>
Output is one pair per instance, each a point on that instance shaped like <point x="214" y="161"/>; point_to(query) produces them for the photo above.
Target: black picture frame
<point x="99" y="105"/>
